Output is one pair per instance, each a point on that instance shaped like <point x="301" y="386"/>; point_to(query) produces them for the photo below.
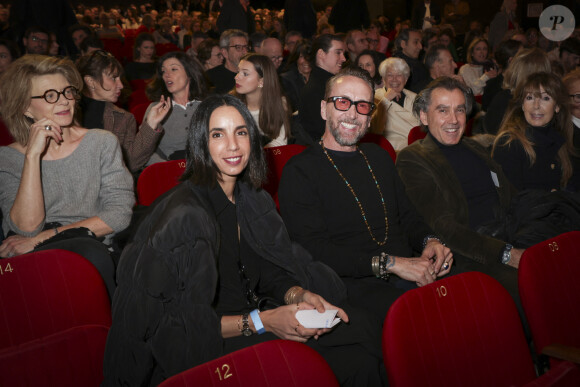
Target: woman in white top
<point x="479" y="68"/>
<point x="394" y="116"/>
<point x="257" y="85"/>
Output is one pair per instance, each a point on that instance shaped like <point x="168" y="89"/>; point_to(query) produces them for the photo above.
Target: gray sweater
<point x="176" y="126"/>
<point x="92" y="181"/>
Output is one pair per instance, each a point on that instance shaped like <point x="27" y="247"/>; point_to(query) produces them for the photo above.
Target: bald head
<point x="272" y="48"/>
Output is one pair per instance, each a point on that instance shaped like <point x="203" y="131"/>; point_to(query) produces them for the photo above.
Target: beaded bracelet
<point x="379" y="266"/>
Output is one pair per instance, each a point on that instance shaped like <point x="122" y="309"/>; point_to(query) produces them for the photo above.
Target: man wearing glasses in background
<point x="233" y="45"/>
<point x="345" y="203"/>
<point x="35" y="41"/>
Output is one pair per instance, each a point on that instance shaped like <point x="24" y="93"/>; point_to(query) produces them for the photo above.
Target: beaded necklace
<point x="362" y="211"/>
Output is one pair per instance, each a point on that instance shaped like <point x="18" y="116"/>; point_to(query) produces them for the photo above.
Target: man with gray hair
<point x="233" y="45"/>
<point x="344" y="202"/>
<point x="455" y="184"/>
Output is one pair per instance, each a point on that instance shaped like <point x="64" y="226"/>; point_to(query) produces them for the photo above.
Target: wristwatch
<point x="507" y="254"/>
<point x="246" y="331"/>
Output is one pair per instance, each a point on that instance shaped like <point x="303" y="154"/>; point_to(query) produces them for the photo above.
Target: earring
<point x="260" y="86"/>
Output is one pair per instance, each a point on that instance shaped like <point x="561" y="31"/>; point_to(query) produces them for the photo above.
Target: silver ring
<point x="446" y="266"/>
<point x="48" y="127"/>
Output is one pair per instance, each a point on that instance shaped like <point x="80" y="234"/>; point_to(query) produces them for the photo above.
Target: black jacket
<point x="163" y="320"/>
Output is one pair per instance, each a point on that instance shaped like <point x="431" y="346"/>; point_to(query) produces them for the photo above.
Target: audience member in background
<point x="525" y="63"/>
<point x="196" y="39"/>
<point x="191" y="280"/>
<point x="35" y="41"/>
<point x="209" y="54"/>
<point x="447" y="37"/>
<point x="440" y="63"/>
<point x="235" y="14"/>
<point x="290" y="41"/>
<point x="375" y="32"/>
<point x="370" y="60"/>
<point x="184" y="34"/>
<point x="256" y="40"/>
<point x="78" y="33"/>
<point x="147" y="24"/>
<point x="393" y="117"/>
<point x="53" y="45"/>
<point x="109" y="27"/>
<point x="345" y="203"/>
<point x="327" y="56"/>
<point x="532" y="37"/>
<point x="479" y="68"/>
<point x="572" y="83"/>
<point x="429" y="37"/>
<point x="91" y="44"/>
<point x="258" y="87"/>
<point x="426" y="14"/>
<point x="503" y="21"/>
<point x="144" y="63"/>
<point x="455" y="12"/>
<point x="300" y="16"/>
<point x="8" y="54"/>
<point x="272" y="48"/>
<point x="570" y="54"/>
<point x="534" y="143"/>
<point x="408" y="44"/>
<point x="180" y="84"/>
<point x="101" y="73"/>
<point x="233" y="45"/>
<point x="165" y="34"/>
<point x="297" y="72"/>
<point x="503" y="55"/>
<point x="356" y="42"/>
<point x="58" y="176"/>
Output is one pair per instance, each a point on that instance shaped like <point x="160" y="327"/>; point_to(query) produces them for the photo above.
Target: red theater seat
<point x="73" y="357"/>
<point x="416" y="134"/>
<point x="382" y="142"/>
<point x="157" y="179"/>
<point x="277" y="157"/>
<point x="462" y="330"/>
<point x="279" y="363"/>
<point x="49" y="291"/>
<point x="550" y="291"/>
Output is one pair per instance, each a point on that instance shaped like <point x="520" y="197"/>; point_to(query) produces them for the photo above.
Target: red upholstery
<point x="157" y="179"/>
<point x="73" y="357"/>
<point x="138" y="97"/>
<point x="279" y="363"/>
<point x="5" y="136"/>
<point x="550" y="290"/>
<point x="49" y="291"/>
<point x="164" y="48"/>
<point x="277" y="157"/>
<point x="139" y="84"/>
<point x="139" y="112"/>
<point x="382" y="142"/>
<point x="415" y="134"/>
<point x="463" y="330"/>
<point x="114" y="46"/>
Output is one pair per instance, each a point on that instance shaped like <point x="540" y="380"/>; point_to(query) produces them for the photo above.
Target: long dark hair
<point x="194" y="71"/>
<point x="273" y="112"/>
<point x="200" y="167"/>
<point x="514" y="124"/>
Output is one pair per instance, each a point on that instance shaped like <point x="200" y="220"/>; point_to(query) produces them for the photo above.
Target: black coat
<point x="163" y="320"/>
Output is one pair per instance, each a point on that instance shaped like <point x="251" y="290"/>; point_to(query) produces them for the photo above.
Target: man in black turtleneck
<point x="455" y="184"/>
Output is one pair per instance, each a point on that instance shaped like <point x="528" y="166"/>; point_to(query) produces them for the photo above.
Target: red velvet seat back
<point x="164" y="48"/>
<point x="549" y="286"/>
<point x="382" y="142"/>
<point x="279" y="363"/>
<point x="49" y="291"/>
<point x="416" y="134"/>
<point x="157" y="179"/>
<point x="463" y="330"/>
<point x="138" y="112"/>
<point x="73" y="357"/>
<point x="277" y="157"/>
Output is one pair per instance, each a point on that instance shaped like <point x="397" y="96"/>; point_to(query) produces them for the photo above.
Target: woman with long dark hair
<point x="257" y="85"/>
